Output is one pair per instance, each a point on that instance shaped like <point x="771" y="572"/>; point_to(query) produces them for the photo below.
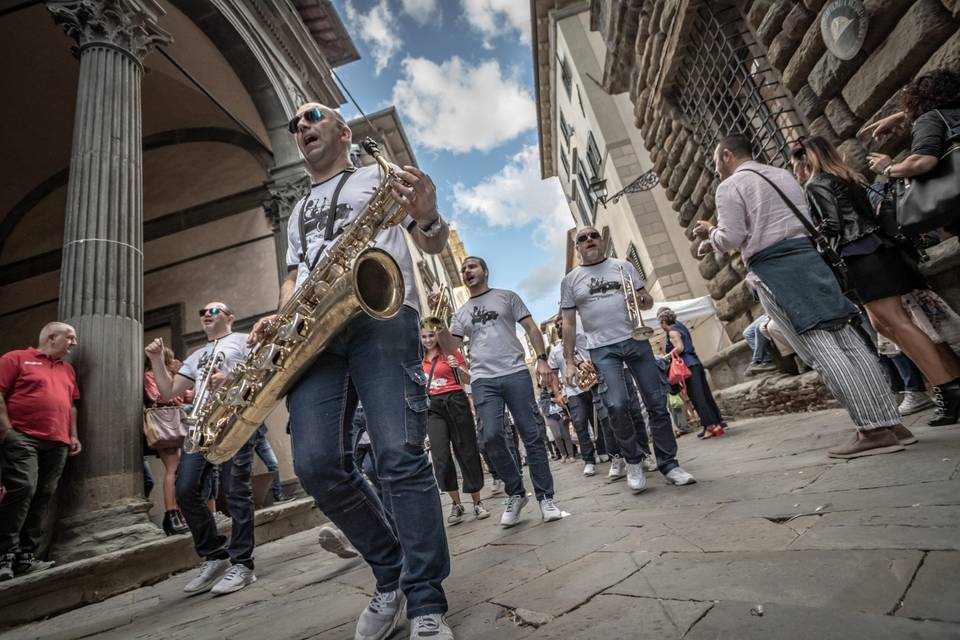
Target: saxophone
<point x="216" y="360"/>
<point x="351" y="278"/>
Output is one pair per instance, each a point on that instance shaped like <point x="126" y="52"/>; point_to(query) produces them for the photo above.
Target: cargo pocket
<point x="415" y="396"/>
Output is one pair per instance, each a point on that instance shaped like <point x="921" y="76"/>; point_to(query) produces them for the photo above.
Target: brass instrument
<point x="351" y="278"/>
<point x="437" y="319"/>
<point x="586" y="374"/>
<point x="191" y="443"/>
<point x="640" y="331"/>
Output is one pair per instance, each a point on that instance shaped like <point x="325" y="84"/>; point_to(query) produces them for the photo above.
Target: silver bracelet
<point x="432" y="229"/>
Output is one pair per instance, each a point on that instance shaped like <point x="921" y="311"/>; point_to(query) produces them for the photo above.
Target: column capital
<point x="128" y="25"/>
<point x="284" y="193"/>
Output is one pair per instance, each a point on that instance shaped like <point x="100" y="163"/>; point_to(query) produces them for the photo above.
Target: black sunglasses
<point x="213" y="311"/>
<point x="593" y="235"/>
<point x="314" y="115"/>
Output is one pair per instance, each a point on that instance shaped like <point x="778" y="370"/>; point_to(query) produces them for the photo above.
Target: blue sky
<point x="460" y="73"/>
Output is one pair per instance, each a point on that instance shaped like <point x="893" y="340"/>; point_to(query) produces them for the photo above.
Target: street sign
<point x="844" y="27"/>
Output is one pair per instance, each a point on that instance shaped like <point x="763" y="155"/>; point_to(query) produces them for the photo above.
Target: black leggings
<point x="702" y="397"/>
<point x="450" y="423"/>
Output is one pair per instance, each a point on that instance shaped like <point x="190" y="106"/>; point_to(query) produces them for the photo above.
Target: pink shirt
<point x="751" y="216"/>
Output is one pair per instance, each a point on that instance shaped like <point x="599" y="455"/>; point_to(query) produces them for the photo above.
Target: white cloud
<point x="377" y="28"/>
<point x="422" y="11"/>
<point x="493" y="18"/>
<point x="516" y="197"/>
<point x="455" y="107"/>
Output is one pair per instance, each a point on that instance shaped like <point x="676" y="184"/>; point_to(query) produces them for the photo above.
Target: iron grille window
<point x="565" y="128"/>
<point x="566" y="76"/>
<point x="594" y="159"/>
<point x="634" y="258"/>
<point x="584" y="183"/>
<point x="726" y="86"/>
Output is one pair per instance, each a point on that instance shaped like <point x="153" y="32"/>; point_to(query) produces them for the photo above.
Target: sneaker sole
<point x="386" y="633"/>
<point x="454" y="522"/>
<point x="331" y="544"/>
<point x="869" y="452"/>
<point x="552" y="519"/>
<point x="234" y="589"/>
<point x="908" y="441"/>
<point x="640" y="490"/>
<point x="482" y="516"/>
<point x="204" y="588"/>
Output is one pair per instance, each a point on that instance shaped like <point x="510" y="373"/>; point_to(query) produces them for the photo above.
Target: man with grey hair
<point x="38" y="431"/>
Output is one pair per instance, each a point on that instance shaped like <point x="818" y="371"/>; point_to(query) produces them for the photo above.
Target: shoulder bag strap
<point x="812" y="230"/>
<point x="951" y="134"/>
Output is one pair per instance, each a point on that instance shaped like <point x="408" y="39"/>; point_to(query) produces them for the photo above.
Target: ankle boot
<point x="173" y="523"/>
<point x="947" y="399"/>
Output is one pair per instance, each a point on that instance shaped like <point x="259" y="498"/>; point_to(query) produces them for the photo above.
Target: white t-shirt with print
<point x="354" y="196"/>
<point x="234" y="349"/>
<point x="595" y="291"/>
<point x="490" y="321"/>
<point x="557" y="362"/>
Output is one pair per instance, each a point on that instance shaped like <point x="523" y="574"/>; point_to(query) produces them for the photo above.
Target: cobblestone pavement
<point x="818" y="548"/>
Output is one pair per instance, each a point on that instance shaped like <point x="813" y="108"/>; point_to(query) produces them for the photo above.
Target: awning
<point x="687" y="310"/>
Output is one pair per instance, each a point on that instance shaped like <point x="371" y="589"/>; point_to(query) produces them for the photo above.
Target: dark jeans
<point x="148" y="482"/>
<point x="902" y="374"/>
<point x="263" y="449"/>
<point x="638" y="356"/>
<point x="581" y="407"/>
<point x="195" y="476"/>
<point x="515" y="391"/>
<point x="702" y="398"/>
<point x="379" y="362"/>
<point x="636" y="416"/>
<point x="450" y="424"/>
<point x="30" y="469"/>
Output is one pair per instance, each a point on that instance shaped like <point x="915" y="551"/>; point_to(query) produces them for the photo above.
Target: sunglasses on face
<point x="314" y="115"/>
<point x="212" y="311"/>
<point x="593" y="235"/>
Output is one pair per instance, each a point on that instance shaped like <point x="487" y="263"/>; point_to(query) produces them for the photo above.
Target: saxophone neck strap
<point x="331" y="217"/>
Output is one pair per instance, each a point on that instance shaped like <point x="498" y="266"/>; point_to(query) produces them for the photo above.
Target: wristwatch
<point x="542" y="356"/>
<point x="886" y="171"/>
<point x="433" y="228"/>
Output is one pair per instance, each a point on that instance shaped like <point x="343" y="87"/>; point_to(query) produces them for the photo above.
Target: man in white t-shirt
<point x="379" y="363"/>
<point x="579" y="401"/>
<point x="226" y="567"/>
<point x="595" y="291"/>
<point x="499" y="378"/>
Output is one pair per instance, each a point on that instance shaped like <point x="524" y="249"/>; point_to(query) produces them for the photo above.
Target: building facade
<point x="696" y="70"/>
<point x="588" y="141"/>
<point x="149" y="171"/>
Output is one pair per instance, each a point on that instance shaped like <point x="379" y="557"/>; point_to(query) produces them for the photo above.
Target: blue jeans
<point x="614" y="391"/>
<point x="514" y="390"/>
<point x="581" y="406"/>
<point x="194" y="479"/>
<point x="758" y="342"/>
<point x="262" y="446"/>
<point x="378" y="362"/>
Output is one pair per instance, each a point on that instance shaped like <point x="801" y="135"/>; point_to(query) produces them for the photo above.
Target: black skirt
<point x="883" y="274"/>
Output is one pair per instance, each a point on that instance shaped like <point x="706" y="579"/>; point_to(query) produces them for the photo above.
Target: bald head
<point x="57" y="339"/>
<point x="590" y="245"/>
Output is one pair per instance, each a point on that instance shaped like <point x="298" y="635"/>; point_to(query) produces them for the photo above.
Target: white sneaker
<point x="649" y="463"/>
<point x="511" y="514"/>
<point x="496" y="486"/>
<point x="210" y="572"/>
<point x="479" y="512"/>
<point x="914" y="401"/>
<point x="431" y="626"/>
<point x="236" y="578"/>
<point x="635" y="478"/>
<point x="678" y="477"/>
<point x="589" y="469"/>
<point x="549" y="510"/>
<point x="333" y="540"/>
<point x="617" y="465"/>
<point x="456" y="514"/>
<point x="380" y="617"/>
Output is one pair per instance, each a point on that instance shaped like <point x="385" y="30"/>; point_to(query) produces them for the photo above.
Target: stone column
<point x="286" y="188"/>
<point x="101" y="282"/>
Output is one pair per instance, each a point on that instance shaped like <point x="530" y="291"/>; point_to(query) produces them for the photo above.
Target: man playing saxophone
<point x="226" y="567"/>
<point x="609" y="294"/>
<point x="378" y="362"/>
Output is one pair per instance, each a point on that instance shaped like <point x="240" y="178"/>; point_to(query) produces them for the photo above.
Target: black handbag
<point x="826" y="251"/>
<point x="932" y="200"/>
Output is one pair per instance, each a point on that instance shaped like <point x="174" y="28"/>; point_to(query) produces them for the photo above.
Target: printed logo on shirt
<point x="36" y="364"/>
<point x="481" y="316"/>
<point x="316" y="217"/>
<point x="599" y="285"/>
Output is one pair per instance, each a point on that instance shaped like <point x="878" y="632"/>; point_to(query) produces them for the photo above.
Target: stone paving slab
<point x="671" y="562"/>
<point x="733" y="621"/>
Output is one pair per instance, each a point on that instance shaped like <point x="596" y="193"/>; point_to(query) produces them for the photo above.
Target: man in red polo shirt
<point x="38" y="430"/>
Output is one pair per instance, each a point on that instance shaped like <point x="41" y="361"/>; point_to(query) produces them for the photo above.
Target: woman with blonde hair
<point x="880" y="272"/>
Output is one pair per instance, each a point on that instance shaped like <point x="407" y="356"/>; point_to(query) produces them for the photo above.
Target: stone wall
<point x="833" y="98"/>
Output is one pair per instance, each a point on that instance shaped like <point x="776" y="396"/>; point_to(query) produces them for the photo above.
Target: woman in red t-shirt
<point x="450" y="423"/>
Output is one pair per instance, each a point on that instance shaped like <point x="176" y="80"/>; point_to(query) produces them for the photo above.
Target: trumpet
<point x="640" y="331"/>
<point x="586" y="374"/>
<point x="437" y="319"/>
<point x="194" y="435"/>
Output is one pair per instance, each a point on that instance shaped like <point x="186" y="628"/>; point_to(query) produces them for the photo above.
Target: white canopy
<point x="687" y="310"/>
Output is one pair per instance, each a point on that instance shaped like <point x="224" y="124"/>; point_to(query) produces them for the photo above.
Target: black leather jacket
<point x="842" y="209"/>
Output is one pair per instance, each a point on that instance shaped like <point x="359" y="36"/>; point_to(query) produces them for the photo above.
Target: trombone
<point x="640" y="331"/>
<point x="437" y="319"/>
